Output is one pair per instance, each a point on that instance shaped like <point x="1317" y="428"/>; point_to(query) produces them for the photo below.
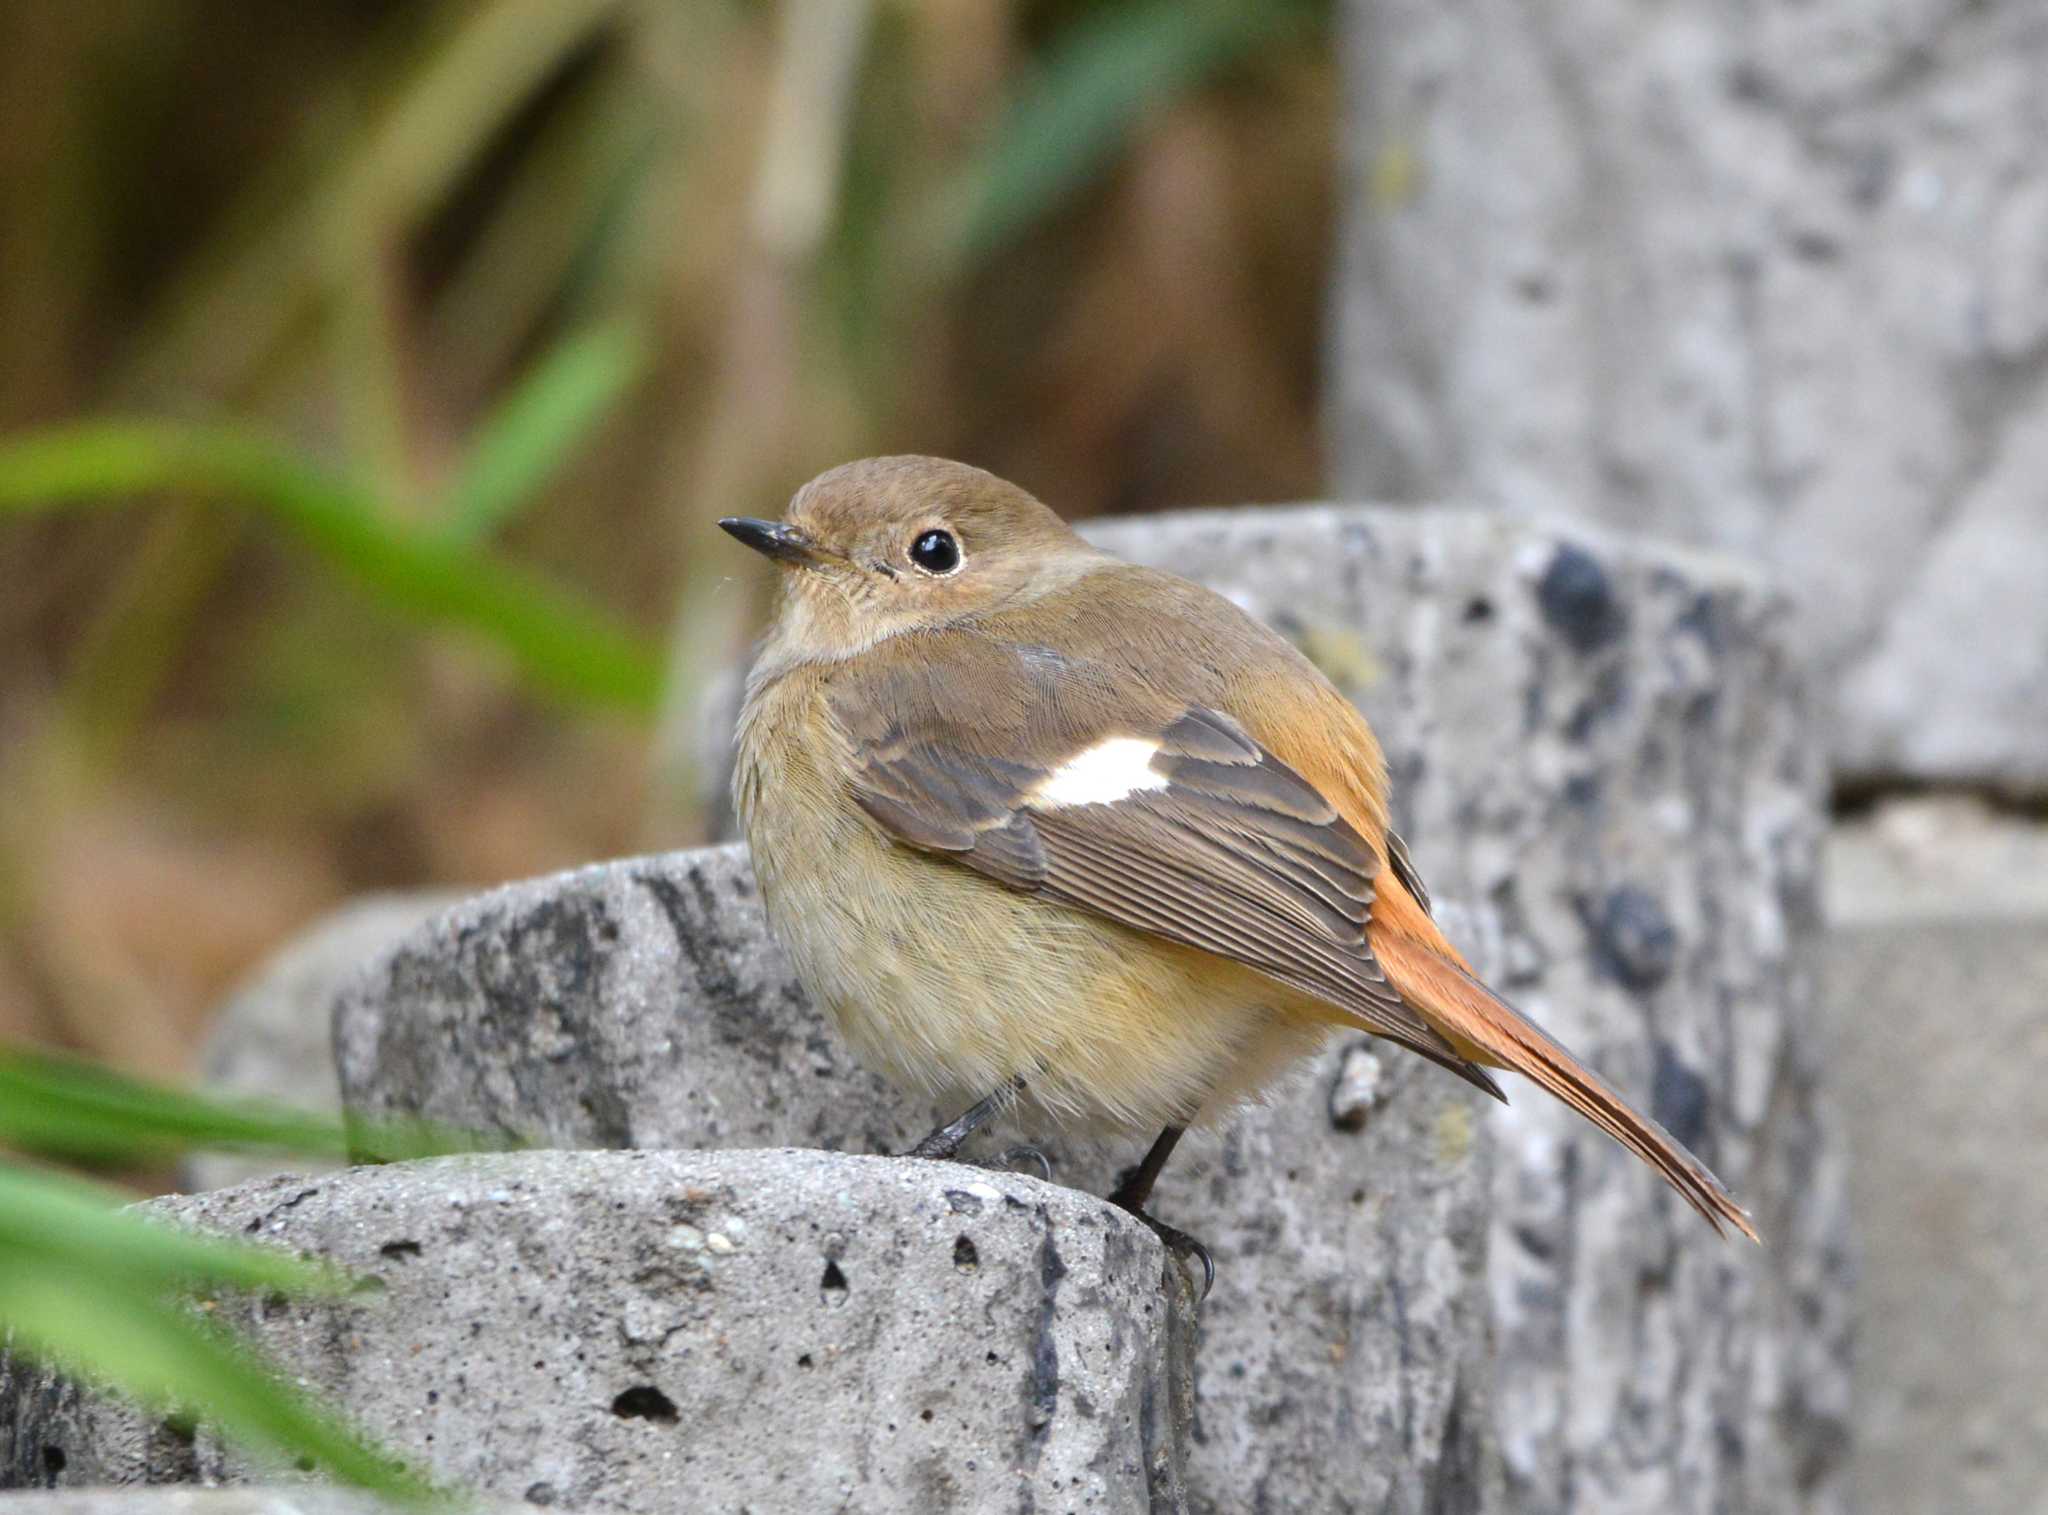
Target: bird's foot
<point x="941" y="1151"/>
<point x="940" y="1147"/>
<point x="1177" y="1242"/>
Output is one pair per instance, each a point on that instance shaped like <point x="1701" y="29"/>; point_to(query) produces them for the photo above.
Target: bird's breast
<point x="951" y="983"/>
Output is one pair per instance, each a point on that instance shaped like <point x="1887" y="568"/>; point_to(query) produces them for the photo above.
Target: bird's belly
<point x="953" y="984"/>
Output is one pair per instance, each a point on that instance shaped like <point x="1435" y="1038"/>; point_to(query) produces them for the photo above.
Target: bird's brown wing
<point x="1071" y="779"/>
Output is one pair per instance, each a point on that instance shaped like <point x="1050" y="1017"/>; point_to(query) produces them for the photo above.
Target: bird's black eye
<point x="936" y="552"/>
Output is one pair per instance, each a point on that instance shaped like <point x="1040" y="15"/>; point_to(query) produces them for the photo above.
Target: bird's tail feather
<point x="1486" y="1030"/>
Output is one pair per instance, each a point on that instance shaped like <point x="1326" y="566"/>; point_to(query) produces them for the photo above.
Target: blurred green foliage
<point x="107" y="1295"/>
<point x="431" y="571"/>
<point x="1101" y="76"/>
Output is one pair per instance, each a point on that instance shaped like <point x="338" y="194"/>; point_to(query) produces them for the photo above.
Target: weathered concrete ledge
<point x="642" y="1003"/>
<point x="784" y="1330"/>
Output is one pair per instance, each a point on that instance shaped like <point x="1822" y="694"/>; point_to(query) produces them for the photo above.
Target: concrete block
<point x="1937" y="1000"/>
<point x="642" y="1003"/>
<point x="644" y="1331"/>
<point x="1770" y="281"/>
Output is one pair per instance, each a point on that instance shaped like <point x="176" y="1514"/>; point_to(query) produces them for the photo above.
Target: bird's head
<point x="887" y="545"/>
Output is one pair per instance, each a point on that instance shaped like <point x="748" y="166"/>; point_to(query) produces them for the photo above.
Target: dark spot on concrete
<point x="1607" y="698"/>
<point x="805" y="1361"/>
<point x="1582" y="790"/>
<point x="1749" y="83"/>
<point x="833" y="1284"/>
<point x="1577" y="599"/>
<point x="1678" y="1097"/>
<point x="1634" y="941"/>
<point x="1705" y="618"/>
<point x="712" y="955"/>
<point x="398" y="1249"/>
<point x="1870" y="173"/>
<point x="965" y="1257"/>
<point x="1478" y="610"/>
<point x="1535" y="1243"/>
<point x="960" y="1202"/>
<point x="1815" y="247"/>
<point x="645" y="1402"/>
<point x="1457" y="1482"/>
<point x="1820" y="1441"/>
<point x="540" y="1493"/>
<point x="1045" y="1352"/>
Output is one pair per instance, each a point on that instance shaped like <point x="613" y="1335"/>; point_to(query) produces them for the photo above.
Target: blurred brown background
<point x="558" y="282"/>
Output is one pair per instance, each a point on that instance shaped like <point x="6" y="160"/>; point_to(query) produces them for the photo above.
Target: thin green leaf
<point x="60" y="1107"/>
<point x="73" y="1225"/>
<point x="524" y="444"/>
<point x="1099" y="80"/>
<point x="100" y="1325"/>
<point x="558" y="642"/>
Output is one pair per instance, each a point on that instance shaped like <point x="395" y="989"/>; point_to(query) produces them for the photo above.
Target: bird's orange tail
<point x="1488" y="1031"/>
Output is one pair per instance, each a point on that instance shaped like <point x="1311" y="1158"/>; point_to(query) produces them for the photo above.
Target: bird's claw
<point x="1030" y="1154"/>
<point x="1181" y="1245"/>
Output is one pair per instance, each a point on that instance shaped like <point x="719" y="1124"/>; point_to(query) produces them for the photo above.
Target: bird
<point x="1039" y="827"/>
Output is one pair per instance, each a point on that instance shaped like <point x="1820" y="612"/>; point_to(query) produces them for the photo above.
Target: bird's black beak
<point x="772" y="539"/>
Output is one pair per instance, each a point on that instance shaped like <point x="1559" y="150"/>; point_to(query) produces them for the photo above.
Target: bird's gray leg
<point x="1135" y="1188"/>
<point x="949" y="1138"/>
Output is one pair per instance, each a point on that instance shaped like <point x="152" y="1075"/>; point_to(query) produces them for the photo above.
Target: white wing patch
<point x="1102" y="775"/>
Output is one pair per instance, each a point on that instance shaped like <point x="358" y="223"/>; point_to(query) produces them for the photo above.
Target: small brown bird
<point x="1039" y="825"/>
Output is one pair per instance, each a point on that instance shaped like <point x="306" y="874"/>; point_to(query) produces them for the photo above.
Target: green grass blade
<point x="1099" y="80"/>
<point x="103" y="1326"/>
<point x="60" y="1107"/>
<point x="80" y="1226"/>
<point x="526" y="441"/>
<point x="557" y="642"/>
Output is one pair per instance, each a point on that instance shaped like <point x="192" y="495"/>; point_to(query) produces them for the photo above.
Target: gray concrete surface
<point x="1770" y="278"/>
<point x="1603" y="766"/>
<point x="1937" y="997"/>
<point x="642" y="1004"/>
<point x="645" y="1331"/>
<point x="274" y="1037"/>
